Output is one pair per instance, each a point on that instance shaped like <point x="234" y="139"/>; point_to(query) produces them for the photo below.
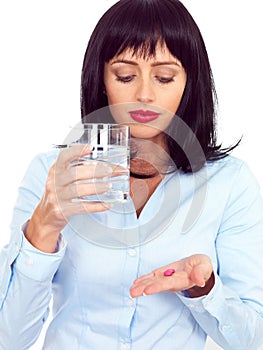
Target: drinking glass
<point x="110" y="147"/>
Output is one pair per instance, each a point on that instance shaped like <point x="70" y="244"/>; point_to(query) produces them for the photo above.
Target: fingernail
<point x="108" y="170"/>
<point x="109" y="184"/>
<point x="144" y="294"/>
<point x="107" y="205"/>
<point x="87" y="148"/>
<point x="104" y="186"/>
<point x="103" y="170"/>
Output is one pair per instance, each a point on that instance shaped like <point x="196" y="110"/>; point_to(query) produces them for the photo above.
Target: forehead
<point x="161" y="53"/>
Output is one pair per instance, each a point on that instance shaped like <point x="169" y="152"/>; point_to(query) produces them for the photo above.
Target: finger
<point x="98" y="168"/>
<point x="141" y="279"/>
<point x="152" y="285"/>
<point x="69" y="154"/>
<point x="138" y="288"/>
<point x="176" y="266"/>
<point x="92" y="207"/>
<point x="197" y="276"/>
<point x="91" y="172"/>
<point x="84" y="189"/>
<point x="69" y="209"/>
<point x="201" y="269"/>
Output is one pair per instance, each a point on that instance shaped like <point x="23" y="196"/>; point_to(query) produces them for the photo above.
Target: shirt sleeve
<point x="37" y="265"/>
<point x="232" y="313"/>
<point x="26" y="273"/>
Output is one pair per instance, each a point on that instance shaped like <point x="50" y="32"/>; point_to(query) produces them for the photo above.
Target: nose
<point x="145" y="92"/>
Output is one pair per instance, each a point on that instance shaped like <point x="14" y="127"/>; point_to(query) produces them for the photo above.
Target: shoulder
<point x="38" y="167"/>
<point x="44" y="159"/>
<point x="233" y="176"/>
<point x="221" y="173"/>
<point x="228" y="163"/>
<point x="49" y="157"/>
<point x="229" y="170"/>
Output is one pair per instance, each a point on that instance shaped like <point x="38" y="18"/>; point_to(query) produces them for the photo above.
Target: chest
<point x="141" y="190"/>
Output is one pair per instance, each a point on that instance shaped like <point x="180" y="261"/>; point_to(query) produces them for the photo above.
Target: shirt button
<point x="207" y="302"/>
<point x="191" y="306"/>
<point x="130" y="302"/>
<point x="29" y="262"/>
<point x="123" y="346"/>
<point x="16" y="248"/>
<point x="224" y="328"/>
<point x="132" y="252"/>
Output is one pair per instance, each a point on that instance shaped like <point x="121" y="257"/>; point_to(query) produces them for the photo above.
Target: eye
<point x="125" y="79"/>
<point x="164" y="80"/>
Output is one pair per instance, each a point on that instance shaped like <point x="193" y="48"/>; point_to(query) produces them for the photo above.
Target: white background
<point x="42" y="47"/>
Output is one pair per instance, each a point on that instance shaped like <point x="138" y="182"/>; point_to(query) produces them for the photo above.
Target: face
<point x="144" y="93"/>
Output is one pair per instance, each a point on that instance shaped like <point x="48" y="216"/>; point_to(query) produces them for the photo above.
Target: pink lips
<point x="142" y="116"/>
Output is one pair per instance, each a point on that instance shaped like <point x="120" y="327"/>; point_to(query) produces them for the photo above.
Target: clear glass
<point x="110" y="147"/>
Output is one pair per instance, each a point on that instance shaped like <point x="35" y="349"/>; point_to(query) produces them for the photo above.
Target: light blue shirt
<point x="218" y="211"/>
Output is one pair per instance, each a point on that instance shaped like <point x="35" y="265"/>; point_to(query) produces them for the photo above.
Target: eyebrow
<point x="154" y="64"/>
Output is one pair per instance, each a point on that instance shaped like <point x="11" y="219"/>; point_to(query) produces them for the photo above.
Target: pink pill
<point x="169" y="272"/>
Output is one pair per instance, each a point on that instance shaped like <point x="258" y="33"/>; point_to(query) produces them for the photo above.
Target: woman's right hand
<point x="64" y="185"/>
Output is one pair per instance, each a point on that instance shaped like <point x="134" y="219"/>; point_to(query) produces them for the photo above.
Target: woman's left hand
<point x="194" y="274"/>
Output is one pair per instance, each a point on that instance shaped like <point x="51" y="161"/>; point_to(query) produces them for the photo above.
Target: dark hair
<point x="140" y="25"/>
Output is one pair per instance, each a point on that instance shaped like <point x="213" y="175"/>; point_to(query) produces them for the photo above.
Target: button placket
<point x="130" y="302"/>
<point x="132" y="252"/>
<point x="129" y="274"/>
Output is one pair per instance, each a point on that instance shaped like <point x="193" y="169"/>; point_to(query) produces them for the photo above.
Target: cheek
<point x="110" y="98"/>
<point x="177" y="94"/>
<point x="117" y="95"/>
<point x="173" y="101"/>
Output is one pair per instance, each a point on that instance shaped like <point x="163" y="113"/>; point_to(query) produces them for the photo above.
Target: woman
<point x="190" y="264"/>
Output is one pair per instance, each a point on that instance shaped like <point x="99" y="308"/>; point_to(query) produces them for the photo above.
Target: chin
<point x="144" y="131"/>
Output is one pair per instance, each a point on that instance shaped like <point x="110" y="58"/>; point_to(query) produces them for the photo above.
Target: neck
<point x="148" y="158"/>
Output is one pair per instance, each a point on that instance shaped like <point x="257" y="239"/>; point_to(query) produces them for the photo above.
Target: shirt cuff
<point x="206" y="302"/>
<point x="36" y="264"/>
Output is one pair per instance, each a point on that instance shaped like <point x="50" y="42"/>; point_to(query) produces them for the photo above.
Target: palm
<point x="189" y="272"/>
